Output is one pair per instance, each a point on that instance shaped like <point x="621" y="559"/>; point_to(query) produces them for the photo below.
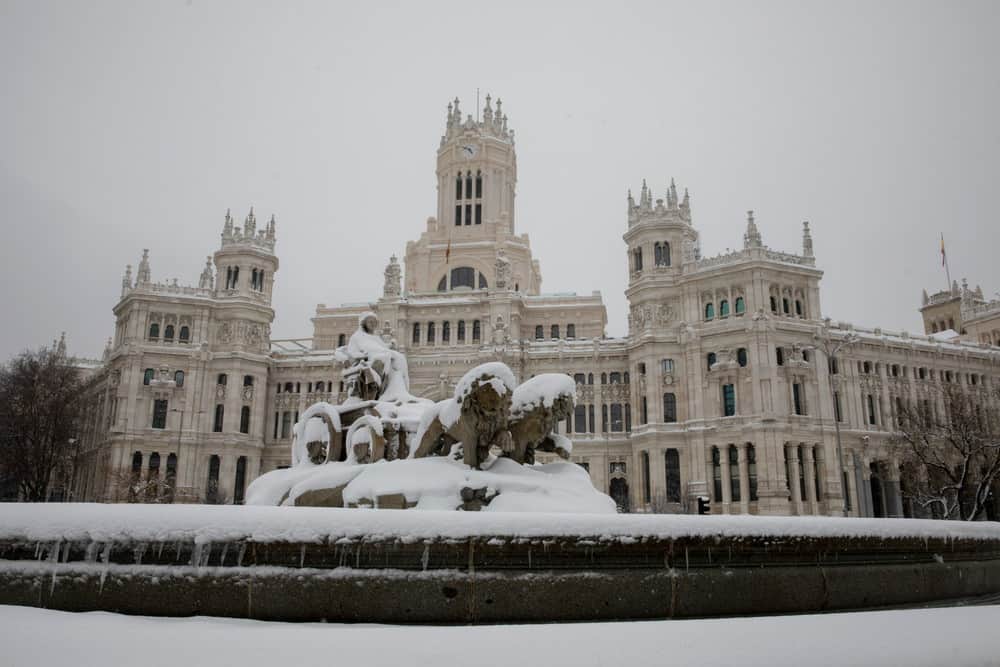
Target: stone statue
<point x="502" y="278"/>
<point x="392" y="287"/>
<point x="374" y="369"/>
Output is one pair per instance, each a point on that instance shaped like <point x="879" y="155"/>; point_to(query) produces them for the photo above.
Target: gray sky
<point x="135" y="125"/>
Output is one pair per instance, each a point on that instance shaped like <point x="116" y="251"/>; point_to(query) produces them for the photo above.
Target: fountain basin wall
<point x="306" y="564"/>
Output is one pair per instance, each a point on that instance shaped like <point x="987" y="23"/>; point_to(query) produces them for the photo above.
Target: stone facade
<point x="720" y="389"/>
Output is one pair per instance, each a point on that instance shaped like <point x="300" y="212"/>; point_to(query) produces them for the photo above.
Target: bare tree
<point x="952" y="459"/>
<point x="39" y="413"/>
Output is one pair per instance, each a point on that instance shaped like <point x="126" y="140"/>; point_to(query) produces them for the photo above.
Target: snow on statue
<point x="383" y="447"/>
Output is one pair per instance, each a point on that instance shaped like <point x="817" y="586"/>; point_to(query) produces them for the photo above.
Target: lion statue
<point x="476" y="417"/>
<point x="539" y="404"/>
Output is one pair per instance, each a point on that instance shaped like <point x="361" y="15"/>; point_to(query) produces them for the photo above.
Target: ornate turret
<point x="127" y="279"/>
<point x="807" y="241"/>
<point x="143" y="276"/>
<point x="250" y="225"/>
<point x="670" y="209"/>
<point x="493" y="123"/>
<point x="751" y="238"/>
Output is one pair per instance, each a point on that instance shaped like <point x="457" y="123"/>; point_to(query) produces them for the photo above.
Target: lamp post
<point x="831" y="348"/>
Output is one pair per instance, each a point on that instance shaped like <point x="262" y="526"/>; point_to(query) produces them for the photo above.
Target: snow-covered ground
<point x="47" y="522"/>
<point x="956" y="637"/>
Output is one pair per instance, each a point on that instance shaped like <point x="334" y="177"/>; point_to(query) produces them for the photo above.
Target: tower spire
<point x="751" y="238"/>
<point x="142" y="276"/>
<point x="807" y="241"/>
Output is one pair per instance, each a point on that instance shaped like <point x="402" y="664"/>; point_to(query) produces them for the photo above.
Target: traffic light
<point x="703" y="507"/>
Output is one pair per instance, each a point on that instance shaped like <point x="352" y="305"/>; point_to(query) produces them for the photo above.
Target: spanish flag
<point x="944" y="258"/>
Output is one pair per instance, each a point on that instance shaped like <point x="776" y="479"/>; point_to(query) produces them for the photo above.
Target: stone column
<point x="852" y="486"/>
<point x="710" y="476"/>
<point x="727" y="492"/>
<point x="809" y="465"/>
<point x="792" y="452"/>
<point x="744" y="478"/>
<point x="893" y="492"/>
<point x="866" y="489"/>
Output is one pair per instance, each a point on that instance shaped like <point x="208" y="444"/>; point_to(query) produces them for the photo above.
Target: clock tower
<point x="477" y="172"/>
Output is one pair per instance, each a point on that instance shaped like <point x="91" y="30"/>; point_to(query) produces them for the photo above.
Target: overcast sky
<point x="135" y="125"/>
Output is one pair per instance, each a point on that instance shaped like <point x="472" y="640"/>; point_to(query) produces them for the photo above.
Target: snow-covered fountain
<point x="385" y="448"/>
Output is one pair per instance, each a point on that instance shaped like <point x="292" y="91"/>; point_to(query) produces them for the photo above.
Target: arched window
<point x="724" y="308"/>
<point x="580" y="378"/>
<point x="443" y="284"/>
<point x="430" y="332"/>
<point x="416" y="333"/>
<point x="752" y="471"/>
<point x="253" y="279"/>
<point x="222" y="379"/>
<point x="463" y="276"/>
<point x="320" y="387"/>
<point x="479" y="185"/>
<point x="951" y="324"/>
<point x="168" y="332"/>
<point x="657" y="254"/>
<point x="637" y="260"/>
<point x="458" y="187"/>
<point x="554" y="331"/>
<point x="665" y="254"/>
<point x="185" y="334"/>
<point x="482" y="279"/>
<point x="779" y="356"/>
<point x="477" y="331"/>
<point x="774" y="305"/>
<point x="247" y="380"/>
<point x="171" y="478"/>
<point x="580" y="419"/>
<point x="625" y="377"/>
<point x="741" y="305"/>
<point x="445" y="331"/>
<point x="570" y="331"/>
<point x="341" y="340"/>
<point x="179" y="378"/>
<point x="461" y="331"/>
<point x="672" y="461"/>
<point x="709" y="311"/>
<point x="245" y="419"/>
<point x="229" y="277"/>
<point x="710" y="358"/>
<point x="236" y="276"/>
<point x="539" y="332"/>
<point x="646" y="487"/>
<point x="212" y="488"/>
<point x="604" y="378"/>
<point x="154" y="331"/>
<point x="669" y="407"/>
<point x="240" y="481"/>
<point x="468" y="185"/>
<point x="289" y="387"/>
<point x="798" y="308"/>
<point x="147" y="376"/>
<point x="741" y="357"/>
<point x="784" y="306"/>
<point x="153" y="489"/>
<point x="590" y="378"/>
<point x="615" y="378"/>
<point x="136" y="464"/>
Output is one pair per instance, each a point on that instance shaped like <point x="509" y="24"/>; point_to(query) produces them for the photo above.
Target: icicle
<point x="426" y="557"/>
<point x="302" y="556"/>
<point x="239" y="558"/>
<point x="225" y="550"/>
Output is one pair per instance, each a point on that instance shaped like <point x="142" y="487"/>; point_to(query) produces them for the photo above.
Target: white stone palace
<point x="722" y="387"/>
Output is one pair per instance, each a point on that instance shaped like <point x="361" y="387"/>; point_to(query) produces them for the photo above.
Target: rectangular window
<point x="458" y="215"/>
<point x="836" y="406"/>
<point x="646" y="491"/>
<point x="734" y="473"/>
<point x="430" y="332"/>
<point x="797" y="402"/>
<point x="728" y="400"/>
<point x="871" y="409"/>
<point x="219" y="414"/>
<point x="277" y="420"/>
<point x="479" y="214"/>
<point x="779" y="356"/>
<point x="580" y="418"/>
<point x="590" y="418"/>
<point x="240" y="481"/>
<point x="616" y="417"/>
<point x="847" y="491"/>
<point x="160" y="413"/>
<point x="667" y="366"/>
<point x="468" y="214"/>
<point x="752" y="471"/>
<point x="245" y="419"/>
<point x="669" y="408"/>
<point x="644" y="414"/>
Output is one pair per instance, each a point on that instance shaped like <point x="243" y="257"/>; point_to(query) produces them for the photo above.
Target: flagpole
<point x="944" y="260"/>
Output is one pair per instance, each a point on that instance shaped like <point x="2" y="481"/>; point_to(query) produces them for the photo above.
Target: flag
<point x="447" y="251"/>
<point x="944" y="258"/>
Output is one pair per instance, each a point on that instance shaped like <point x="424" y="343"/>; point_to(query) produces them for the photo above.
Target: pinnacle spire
<point x="807" y="241"/>
<point x="751" y="238"/>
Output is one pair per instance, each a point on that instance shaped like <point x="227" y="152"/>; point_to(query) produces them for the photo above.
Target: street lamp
<point x="831" y="348"/>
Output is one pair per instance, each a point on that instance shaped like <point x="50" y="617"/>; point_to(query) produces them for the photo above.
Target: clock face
<point x="469" y="150"/>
